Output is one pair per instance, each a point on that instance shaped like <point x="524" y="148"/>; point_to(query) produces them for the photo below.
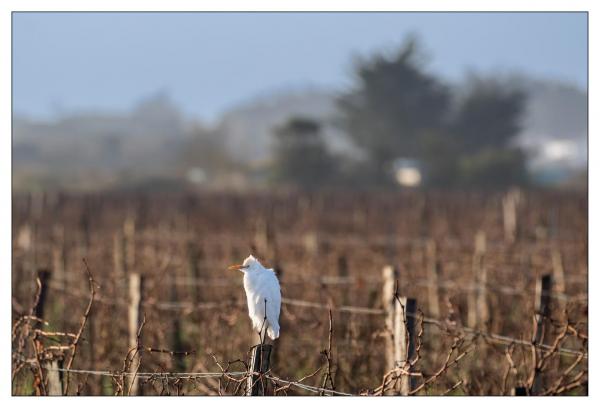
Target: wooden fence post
<point x="259" y="364"/>
<point x="177" y="343"/>
<point x="44" y="276"/>
<point x="400" y="324"/>
<point x="558" y="277"/>
<point x="311" y="243"/>
<point x="390" y="276"/>
<point x="404" y="340"/>
<point x="432" y="279"/>
<point x="543" y="293"/>
<point x="53" y="377"/>
<point x="51" y="367"/>
<point x="478" y="308"/>
<point x="129" y="244"/>
<point x="134" y="313"/>
<point x="27" y="240"/>
<point x="509" y="212"/>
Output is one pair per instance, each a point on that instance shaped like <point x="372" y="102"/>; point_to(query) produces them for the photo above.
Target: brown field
<point x="329" y="250"/>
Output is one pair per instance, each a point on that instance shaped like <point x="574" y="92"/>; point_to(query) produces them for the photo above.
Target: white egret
<point x="263" y="295"/>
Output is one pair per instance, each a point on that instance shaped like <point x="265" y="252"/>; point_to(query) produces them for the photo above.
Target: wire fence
<point x="198" y="375"/>
<point x="301" y="238"/>
<point x="497" y="338"/>
<point x="346" y="281"/>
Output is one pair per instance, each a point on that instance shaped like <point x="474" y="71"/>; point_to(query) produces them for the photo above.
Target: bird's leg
<point x="262" y="336"/>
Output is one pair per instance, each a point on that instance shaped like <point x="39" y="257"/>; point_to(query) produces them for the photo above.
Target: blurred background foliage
<point x="397" y="126"/>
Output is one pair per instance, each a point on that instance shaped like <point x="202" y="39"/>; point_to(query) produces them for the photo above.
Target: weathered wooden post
<point x="44" y="277"/>
<point x="400" y="324"/>
<point x="177" y="343"/>
<point x="53" y="376"/>
<point x="404" y="340"/>
<point x="120" y="285"/>
<point x="509" y="212"/>
<point x="558" y="278"/>
<point x="433" y="295"/>
<point x="543" y="293"/>
<point x="311" y="243"/>
<point x="25" y="237"/>
<point x="390" y="276"/>
<point x="134" y="314"/>
<point x="135" y="292"/>
<point x="129" y="244"/>
<point x="478" y="308"/>
<point x="51" y="367"/>
<point x="259" y="364"/>
<point x="26" y="240"/>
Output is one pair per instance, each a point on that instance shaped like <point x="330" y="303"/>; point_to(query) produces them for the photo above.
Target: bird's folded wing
<point x="273" y="295"/>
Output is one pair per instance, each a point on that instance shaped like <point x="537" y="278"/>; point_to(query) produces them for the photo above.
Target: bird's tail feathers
<point x="273" y="332"/>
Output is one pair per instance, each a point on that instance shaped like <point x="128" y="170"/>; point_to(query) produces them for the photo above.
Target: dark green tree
<point x="300" y="154"/>
<point x="485" y="126"/>
<point x="489" y="116"/>
<point x="396" y="109"/>
<point x="392" y="106"/>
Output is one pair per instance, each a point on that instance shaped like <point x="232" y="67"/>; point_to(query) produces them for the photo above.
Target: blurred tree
<point x="300" y="154"/>
<point x="485" y="125"/>
<point x="493" y="168"/>
<point x="396" y="110"/>
<point x="489" y="115"/>
<point x="394" y="103"/>
<point x="440" y="156"/>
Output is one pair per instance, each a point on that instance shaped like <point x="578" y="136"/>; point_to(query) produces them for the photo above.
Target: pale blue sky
<point x="208" y="62"/>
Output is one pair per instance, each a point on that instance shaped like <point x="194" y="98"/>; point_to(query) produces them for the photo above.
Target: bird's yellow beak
<point x="235" y="267"/>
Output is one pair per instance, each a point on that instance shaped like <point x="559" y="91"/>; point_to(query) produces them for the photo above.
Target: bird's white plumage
<point x="261" y="284"/>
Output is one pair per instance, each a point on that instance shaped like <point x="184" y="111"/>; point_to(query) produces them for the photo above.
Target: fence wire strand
<point x="498" y="338"/>
<point x="198" y="375"/>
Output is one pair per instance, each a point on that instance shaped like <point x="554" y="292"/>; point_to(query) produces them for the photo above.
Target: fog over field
<point x="149" y="139"/>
